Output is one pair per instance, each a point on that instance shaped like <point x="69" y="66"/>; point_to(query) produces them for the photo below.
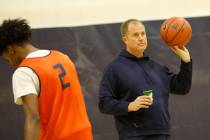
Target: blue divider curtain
<point x="91" y="48"/>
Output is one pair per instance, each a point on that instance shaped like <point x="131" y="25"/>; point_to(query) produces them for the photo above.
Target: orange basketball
<point x="176" y="31"/>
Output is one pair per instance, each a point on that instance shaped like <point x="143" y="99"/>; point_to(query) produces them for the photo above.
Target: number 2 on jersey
<point x="61" y="75"/>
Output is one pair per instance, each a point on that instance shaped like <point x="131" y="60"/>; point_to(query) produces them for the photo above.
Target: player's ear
<point x="124" y="39"/>
<point x="10" y="49"/>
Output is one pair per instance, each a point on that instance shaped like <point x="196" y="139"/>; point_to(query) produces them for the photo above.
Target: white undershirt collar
<point x="38" y="53"/>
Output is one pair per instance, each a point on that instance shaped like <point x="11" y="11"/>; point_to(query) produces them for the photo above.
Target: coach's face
<point x="11" y="55"/>
<point x="135" y="38"/>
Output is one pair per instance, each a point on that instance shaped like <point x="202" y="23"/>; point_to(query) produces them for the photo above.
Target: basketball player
<point x="46" y="84"/>
<point x="130" y="75"/>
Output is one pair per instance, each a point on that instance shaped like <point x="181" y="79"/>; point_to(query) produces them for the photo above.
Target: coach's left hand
<point x="183" y="53"/>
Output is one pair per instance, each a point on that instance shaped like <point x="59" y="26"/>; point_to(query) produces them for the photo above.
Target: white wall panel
<point x="60" y="13"/>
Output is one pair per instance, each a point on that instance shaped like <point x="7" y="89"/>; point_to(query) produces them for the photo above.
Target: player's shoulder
<point x="57" y="51"/>
<point x="60" y="53"/>
<point x="23" y="71"/>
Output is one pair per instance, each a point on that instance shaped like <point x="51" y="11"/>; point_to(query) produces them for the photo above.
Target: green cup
<point x="147" y="92"/>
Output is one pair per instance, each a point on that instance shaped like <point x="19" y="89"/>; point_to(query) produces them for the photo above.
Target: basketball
<point x="176" y="31"/>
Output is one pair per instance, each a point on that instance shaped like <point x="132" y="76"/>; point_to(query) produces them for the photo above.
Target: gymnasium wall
<point x="91" y="48"/>
<point x="71" y="13"/>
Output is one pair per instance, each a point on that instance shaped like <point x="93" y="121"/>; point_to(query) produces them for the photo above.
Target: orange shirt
<point x="61" y="105"/>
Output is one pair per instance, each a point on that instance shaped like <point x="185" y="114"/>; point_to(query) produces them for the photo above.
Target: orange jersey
<point x="61" y="106"/>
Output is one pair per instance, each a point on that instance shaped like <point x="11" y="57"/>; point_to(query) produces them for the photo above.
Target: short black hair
<point x="14" y="31"/>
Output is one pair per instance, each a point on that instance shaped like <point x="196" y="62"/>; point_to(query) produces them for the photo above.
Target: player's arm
<point x="25" y="87"/>
<point x="31" y="114"/>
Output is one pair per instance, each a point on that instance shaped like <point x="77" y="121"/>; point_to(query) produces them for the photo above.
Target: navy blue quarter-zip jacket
<point x="126" y="78"/>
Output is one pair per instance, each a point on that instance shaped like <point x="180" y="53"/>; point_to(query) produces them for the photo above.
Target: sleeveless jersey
<point x="61" y="105"/>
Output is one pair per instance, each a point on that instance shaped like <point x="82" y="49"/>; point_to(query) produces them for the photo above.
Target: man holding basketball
<point x="46" y="84"/>
<point x="130" y="77"/>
